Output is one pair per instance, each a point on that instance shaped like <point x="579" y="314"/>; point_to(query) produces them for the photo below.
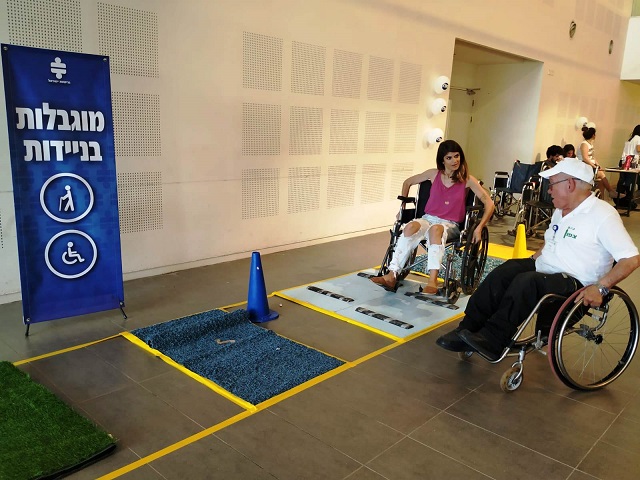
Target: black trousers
<point x="508" y="295"/>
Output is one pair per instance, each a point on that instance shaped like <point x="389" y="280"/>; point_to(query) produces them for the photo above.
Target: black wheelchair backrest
<point x="424" y="190"/>
<point x="521" y="174"/>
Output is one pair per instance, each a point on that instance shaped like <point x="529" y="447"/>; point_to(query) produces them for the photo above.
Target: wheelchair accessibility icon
<point x="70" y="254"/>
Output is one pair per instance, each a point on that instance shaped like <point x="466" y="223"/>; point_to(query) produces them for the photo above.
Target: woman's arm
<point x="416" y="179"/>
<point x="485" y="198"/>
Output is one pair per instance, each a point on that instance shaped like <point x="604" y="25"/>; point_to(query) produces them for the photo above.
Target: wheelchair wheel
<point x="452" y="291"/>
<point x="503" y="202"/>
<point x="511" y="379"/>
<point x="521" y="217"/>
<point x="498" y="203"/>
<point x="474" y="258"/>
<point x="384" y="266"/>
<point x="591" y="347"/>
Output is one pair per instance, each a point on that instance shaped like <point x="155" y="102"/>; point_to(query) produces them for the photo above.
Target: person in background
<point x="569" y="151"/>
<point x="586" y="154"/>
<point x="444" y="211"/>
<point x="629" y="159"/>
<point x="632" y="146"/>
<point x="554" y="155"/>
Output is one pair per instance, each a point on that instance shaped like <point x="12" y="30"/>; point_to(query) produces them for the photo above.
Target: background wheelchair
<point x="535" y="207"/>
<point x="473" y="256"/>
<point x="587" y="348"/>
<point x="507" y="186"/>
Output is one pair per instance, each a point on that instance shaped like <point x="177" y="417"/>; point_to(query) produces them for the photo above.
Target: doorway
<point x="493" y="107"/>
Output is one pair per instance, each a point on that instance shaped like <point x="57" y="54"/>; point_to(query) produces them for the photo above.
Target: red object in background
<point x="627" y="162"/>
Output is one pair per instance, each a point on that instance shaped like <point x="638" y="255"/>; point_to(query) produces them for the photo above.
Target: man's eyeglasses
<point x="559" y="181"/>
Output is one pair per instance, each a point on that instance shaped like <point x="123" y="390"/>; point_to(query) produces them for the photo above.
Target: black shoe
<point x="480" y="344"/>
<point x="451" y="341"/>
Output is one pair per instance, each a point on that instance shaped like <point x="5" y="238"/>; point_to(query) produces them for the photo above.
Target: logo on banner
<point x="58" y="68"/>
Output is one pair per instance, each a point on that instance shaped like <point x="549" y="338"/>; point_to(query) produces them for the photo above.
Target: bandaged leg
<point x="436" y="238"/>
<point x="406" y="245"/>
<point x="435" y="253"/>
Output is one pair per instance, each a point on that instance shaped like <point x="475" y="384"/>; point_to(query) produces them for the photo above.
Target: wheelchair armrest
<point x="475" y="208"/>
<point x="406" y="199"/>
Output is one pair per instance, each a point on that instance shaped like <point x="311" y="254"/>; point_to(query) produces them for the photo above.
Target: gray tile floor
<point x="412" y="412"/>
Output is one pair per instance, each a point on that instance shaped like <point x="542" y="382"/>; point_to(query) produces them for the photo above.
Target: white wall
<point x="463" y="75"/>
<point x="505" y="110"/>
<point x="631" y="60"/>
<point x="200" y="93"/>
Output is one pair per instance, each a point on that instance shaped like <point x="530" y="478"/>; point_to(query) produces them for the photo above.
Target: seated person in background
<point x="584" y="237"/>
<point x="569" y="151"/>
<point x="632" y="146"/>
<point x="554" y="155"/>
<point x="444" y="211"/>
<point x="586" y="154"/>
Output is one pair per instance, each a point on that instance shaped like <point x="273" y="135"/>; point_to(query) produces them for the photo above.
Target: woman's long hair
<point x="636" y="131"/>
<point x="451" y="146"/>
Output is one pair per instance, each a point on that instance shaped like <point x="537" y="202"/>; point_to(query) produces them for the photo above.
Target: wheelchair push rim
<point x="591" y="347"/>
<point x="474" y="258"/>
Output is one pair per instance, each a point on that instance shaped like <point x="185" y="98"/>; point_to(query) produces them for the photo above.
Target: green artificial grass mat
<point x="40" y="436"/>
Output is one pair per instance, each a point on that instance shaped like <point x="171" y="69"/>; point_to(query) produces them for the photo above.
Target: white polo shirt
<point x="585" y="242"/>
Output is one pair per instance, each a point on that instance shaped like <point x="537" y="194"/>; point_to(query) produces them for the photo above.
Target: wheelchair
<point x="535" y="207"/>
<point x="507" y="185"/>
<point x="587" y="347"/>
<point x="472" y="256"/>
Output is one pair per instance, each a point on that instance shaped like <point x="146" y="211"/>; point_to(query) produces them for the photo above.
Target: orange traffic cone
<point x="257" y="304"/>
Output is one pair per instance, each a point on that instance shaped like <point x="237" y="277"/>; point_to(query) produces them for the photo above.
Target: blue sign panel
<point x="64" y="181"/>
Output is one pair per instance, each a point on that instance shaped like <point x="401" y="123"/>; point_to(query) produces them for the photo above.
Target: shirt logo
<point x="569" y="234"/>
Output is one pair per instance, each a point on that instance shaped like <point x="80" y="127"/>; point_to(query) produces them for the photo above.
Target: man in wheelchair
<point x="584" y="237"/>
<point x="444" y="211"/>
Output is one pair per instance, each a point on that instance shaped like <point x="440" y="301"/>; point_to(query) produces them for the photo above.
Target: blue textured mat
<point x="257" y="366"/>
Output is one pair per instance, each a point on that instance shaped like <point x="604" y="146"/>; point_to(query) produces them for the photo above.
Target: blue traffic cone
<point x="257" y="304"/>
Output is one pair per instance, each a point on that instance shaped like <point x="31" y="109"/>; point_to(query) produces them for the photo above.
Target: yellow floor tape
<point x="498" y="251"/>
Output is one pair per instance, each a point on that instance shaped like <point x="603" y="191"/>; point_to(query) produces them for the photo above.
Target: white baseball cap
<point x="573" y="167"/>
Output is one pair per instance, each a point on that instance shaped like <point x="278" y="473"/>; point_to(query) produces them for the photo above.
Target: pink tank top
<point x="447" y="203"/>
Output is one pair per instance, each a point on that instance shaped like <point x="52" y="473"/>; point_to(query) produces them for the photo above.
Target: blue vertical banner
<point x="64" y="181"/>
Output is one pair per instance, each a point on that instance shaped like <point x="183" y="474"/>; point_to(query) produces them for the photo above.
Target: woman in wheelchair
<point x="584" y="237"/>
<point x="444" y="211"/>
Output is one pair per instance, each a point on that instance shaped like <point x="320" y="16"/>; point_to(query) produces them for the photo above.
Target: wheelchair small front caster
<point x="511" y="379"/>
<point x="452" y="292"/>
<point x="465" y="356"/>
